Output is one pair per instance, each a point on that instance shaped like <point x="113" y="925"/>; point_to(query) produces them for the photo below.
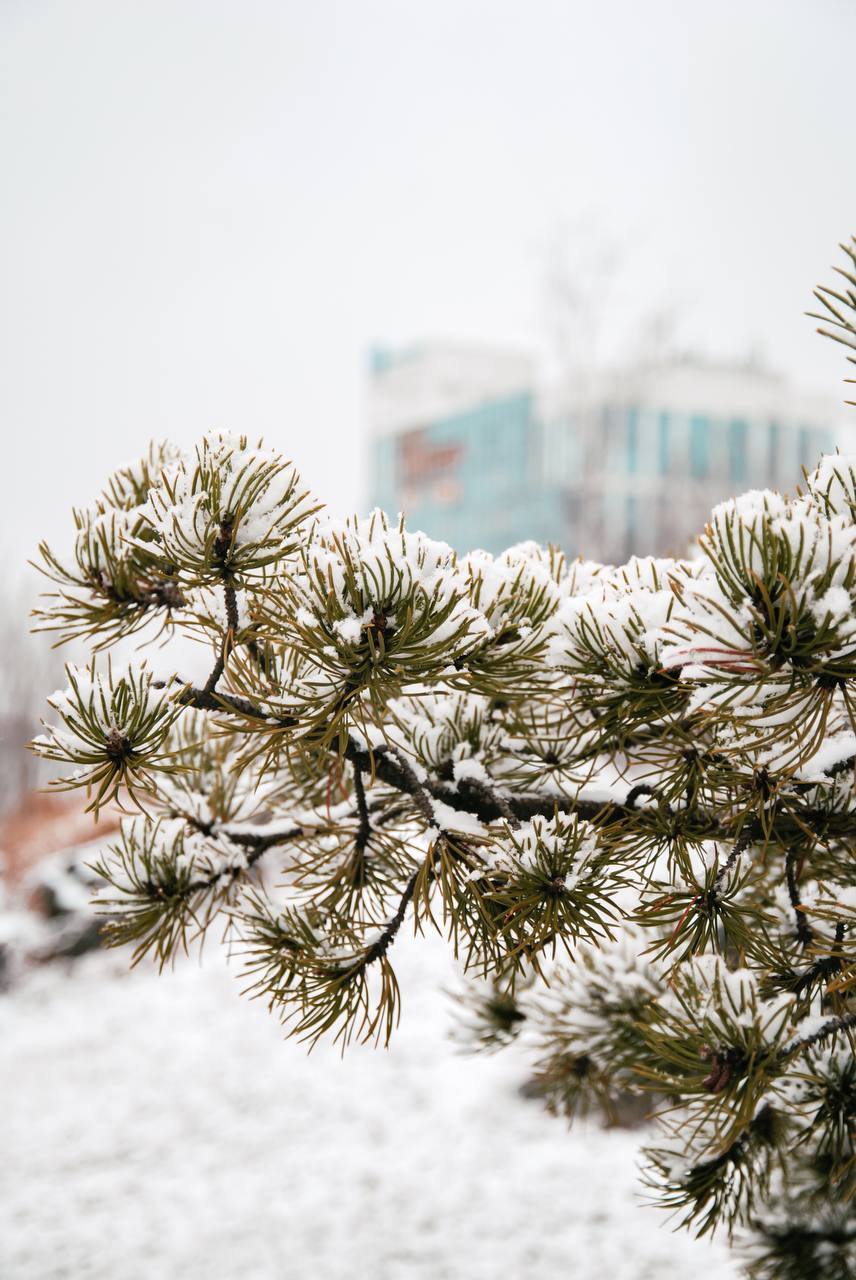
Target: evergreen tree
<point x="626" y="795"/>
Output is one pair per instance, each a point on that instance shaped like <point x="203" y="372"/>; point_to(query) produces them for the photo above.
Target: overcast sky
<point x="211" y="210"/>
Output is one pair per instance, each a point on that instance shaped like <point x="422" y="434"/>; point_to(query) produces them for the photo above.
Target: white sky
<point x="212" y="209"/>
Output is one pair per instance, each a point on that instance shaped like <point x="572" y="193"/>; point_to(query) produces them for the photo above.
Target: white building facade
<point x="467" y="444"/>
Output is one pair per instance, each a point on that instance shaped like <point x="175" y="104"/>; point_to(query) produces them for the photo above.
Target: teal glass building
<point x="474" y="451"/>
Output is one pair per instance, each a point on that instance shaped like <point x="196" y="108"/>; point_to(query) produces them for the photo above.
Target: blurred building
<point x="468" y="444"/>
<point x="456" y="445"/>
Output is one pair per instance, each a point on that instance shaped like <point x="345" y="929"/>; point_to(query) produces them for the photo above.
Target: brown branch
<point x="379" y="948"/>
<point x="824" y="968"/>
<point x="378" y="762"/>
<point x="635" y="793"/>
<point x="391" y="768"/>
<point x="258" y="845"/>
<point x="364" y="830"/>
<point x="750" y="832"/>
<point x="208" y="700"/>
<point x="229" y="634"/>
<point x="498" y="798"/>
<point x="829" y="1028"/>
<point x="414" y="786"/>
<point x="805" y="933"/>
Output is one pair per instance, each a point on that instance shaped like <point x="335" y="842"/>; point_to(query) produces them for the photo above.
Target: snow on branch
<point x="625" y="794"/>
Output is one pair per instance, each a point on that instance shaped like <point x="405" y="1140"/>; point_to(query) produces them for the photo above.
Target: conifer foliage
<point x="625" y="795"/>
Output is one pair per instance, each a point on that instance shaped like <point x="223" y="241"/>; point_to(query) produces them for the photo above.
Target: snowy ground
<point x="156" y="1128"/>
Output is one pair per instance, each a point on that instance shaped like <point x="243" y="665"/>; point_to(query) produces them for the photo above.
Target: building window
<point x="699" y="448"/>
<point x="630" y="547"/>
<point x="805" y="448"/>
<point x="772" y="451"/>
<point x="663" y="443"/>
<point x="607" y="436"/>
<point x="737" y="435"/>
<point x="632" y="441"/>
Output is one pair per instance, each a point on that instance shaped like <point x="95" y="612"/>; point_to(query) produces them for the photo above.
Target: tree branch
<point x="256" y="842"/>
<point x="392" y="769"/>
<point x="498" y="798"/>
<point x="231" y="599"/>
<point x="365" y="828"/>
<point x="748" y="833"/>
<point x="379" y="948"/>
<point x="205" y="700"/>
<point x="805" y="933"/>
<point x="829" y="1028"/>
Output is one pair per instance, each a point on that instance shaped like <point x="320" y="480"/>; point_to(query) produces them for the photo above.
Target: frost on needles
<point x="625" y="795"/>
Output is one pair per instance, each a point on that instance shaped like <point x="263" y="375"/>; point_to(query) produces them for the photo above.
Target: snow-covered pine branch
<point x="625" y="795"/>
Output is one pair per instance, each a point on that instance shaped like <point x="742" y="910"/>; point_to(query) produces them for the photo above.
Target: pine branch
<point x="258" y="846"/>
<point x="228" y="639"/>
<point x="750" y="832"/>
<point x="805" y="933"/>
<point x="503" y="693"/>
<point x="381" y="762"/>
<point x="829" y="1028"/>
<point x="500" y="800"/>
<point x="205" y="700"/>
<point x="363" y="835"/>
<point x="412" y="785"/>
<point x="390" y="931"/>
<point x="636" y="793"/>
<point x="483" y="803"/>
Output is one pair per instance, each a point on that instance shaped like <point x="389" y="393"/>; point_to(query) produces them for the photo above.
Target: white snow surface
<point x="162" y="1127"/>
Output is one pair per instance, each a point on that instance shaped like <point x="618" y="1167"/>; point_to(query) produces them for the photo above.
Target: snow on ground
<point x="161" y="1127"/>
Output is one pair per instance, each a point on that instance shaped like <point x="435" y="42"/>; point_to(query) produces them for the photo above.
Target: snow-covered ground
<point x="161" y="1127"/>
